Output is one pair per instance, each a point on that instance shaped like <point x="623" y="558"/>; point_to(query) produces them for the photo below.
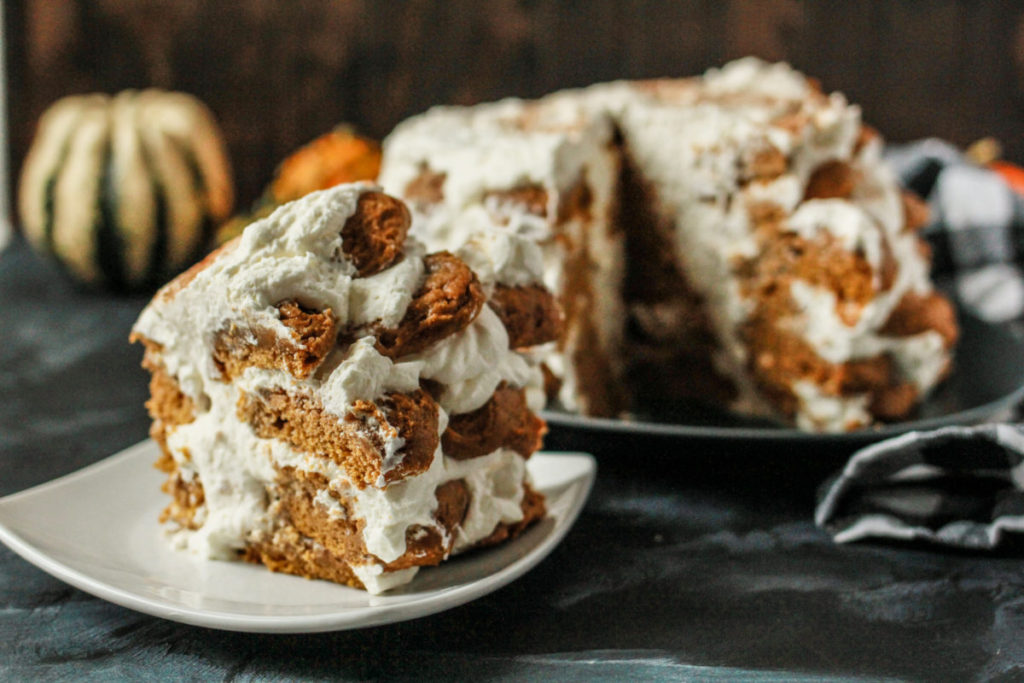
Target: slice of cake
<point x="334" y="402"/>
<point x="772" y="262"/>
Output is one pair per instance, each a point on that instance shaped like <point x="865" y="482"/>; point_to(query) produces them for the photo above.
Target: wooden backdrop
<point x="279" y="72"/>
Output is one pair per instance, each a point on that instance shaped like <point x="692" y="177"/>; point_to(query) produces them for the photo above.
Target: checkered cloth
<point x="956" y="486"/>
<point x="959" y="487"/>
<point x="977" y="227"/>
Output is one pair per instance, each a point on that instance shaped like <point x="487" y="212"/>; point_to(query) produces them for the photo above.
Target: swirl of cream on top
<point x="503" y="257"/>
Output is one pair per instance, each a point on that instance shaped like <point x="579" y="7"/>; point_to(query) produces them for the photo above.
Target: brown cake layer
<point x="449" y="299"/>
<point x="534" y="509"/>
<point x="669" y="342"/>
<point x="822" y="262"/>
<point x="917" y="313"/>
<point x="289" y="552"/>
<point x="167" y="403"/>
<point x="552" y="384"/>
<point x="169" y="407"/>
<point x="425" y="189"/>
<point x="779" y="358"/>
<point x="764" y="164"/>
<point x="532" y="198"/>
<point x="352" y="442"/>
<point x="343" y="536"/>
<point x="414" y="416"/>
<point x="915" y="212"/>
<point x="664" y="374"/>
<point x="530" y="314"/>
<point x="505" y="421"/>
<point x="313" y="336"/>
<point x="832" y="180"/>
<point x="187" y="497"/>
<point x="373" y="237"/>
<point x="598" y="385"/>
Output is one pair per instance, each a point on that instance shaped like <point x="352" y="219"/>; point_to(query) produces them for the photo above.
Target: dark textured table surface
<point x="691" y="559"/>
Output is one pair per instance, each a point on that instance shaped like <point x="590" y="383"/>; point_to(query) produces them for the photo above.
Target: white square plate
<point x="97" y="530"/>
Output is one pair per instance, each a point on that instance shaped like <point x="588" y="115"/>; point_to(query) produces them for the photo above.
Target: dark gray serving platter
<point x="987" y="377"/>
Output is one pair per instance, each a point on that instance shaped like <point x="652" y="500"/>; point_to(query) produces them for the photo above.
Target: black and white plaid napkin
<point x="959" y="487"/>
<point x="955" y="486"/>
<point x="977" y="226"/>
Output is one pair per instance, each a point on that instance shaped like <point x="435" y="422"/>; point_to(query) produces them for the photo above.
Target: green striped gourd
<point x="125" y="191"/>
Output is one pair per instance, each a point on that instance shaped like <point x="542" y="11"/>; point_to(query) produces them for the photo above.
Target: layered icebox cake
<point x="735" y="237"/>
<point x="333" y="401"/>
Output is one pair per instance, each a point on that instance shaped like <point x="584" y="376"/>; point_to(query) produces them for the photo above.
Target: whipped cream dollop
<point x="471" y="364"/>
<point x="503" y="257"/>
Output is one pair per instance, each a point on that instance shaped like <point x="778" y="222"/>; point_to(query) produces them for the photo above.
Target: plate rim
<point x="432" y="602"/>
<point x="645" y="428"/>
<point x="635" y="427"/>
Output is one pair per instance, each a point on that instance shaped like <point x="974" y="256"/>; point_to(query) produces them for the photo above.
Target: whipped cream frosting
<point x="525" y="145"/>
<point x="503" y="257"/>
<point x="296" y="254"/>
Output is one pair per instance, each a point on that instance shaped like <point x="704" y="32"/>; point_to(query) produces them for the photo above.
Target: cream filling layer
<point x="821" y="412"/>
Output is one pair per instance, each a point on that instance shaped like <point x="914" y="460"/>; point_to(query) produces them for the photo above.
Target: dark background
<point x="280" y="73"/>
